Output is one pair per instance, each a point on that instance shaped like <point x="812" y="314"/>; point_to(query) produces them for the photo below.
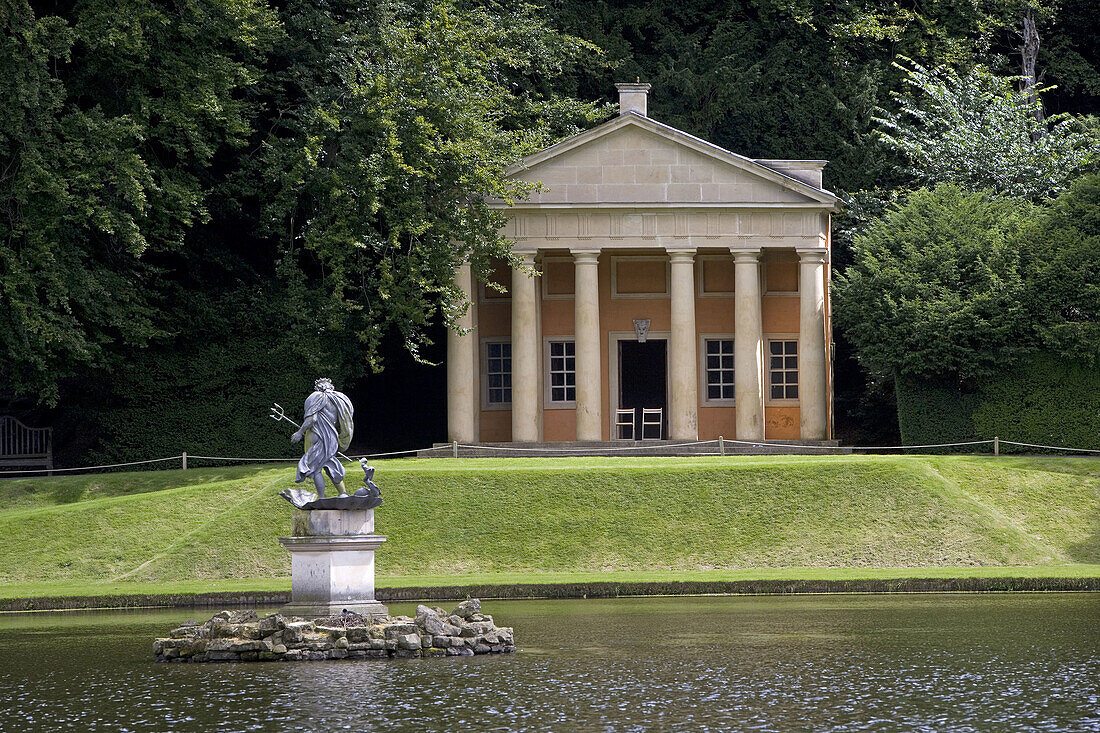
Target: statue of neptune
<point x="327" y="429"/>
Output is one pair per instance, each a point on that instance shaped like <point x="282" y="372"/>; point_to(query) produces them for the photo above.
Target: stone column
<point x="748" y="346"/>
<point x="526" y="419"/>
<point x="811" y="344"/>
<point x="586" y="332"/>
<point x="462" y="371"/>
<point x="683" y="418"/>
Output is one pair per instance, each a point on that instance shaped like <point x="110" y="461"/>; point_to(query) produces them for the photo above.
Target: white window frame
<point x="704" y="395"/>
<point x="548" y="388"/>
<point x="666" y="295"/>
<point x="699" y="273"/>
<point x="768" y="340"/>
<point x="485" y="404"/>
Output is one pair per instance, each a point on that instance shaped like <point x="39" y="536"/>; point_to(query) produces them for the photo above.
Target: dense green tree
<point x="397" y="121"/>
<point x="936" y="290"/>
<point x="981" y="131"/>
<point x="1061" y="251"/>
<point x="113" y="114"/>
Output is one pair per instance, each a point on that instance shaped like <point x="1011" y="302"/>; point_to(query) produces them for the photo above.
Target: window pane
<point x="792" y="362"/>
<point x="507" y="379"/>
<point x="713" y="347"/>
<point x="570" y="394"/>
<point x="714" y="392"/>
<point x="777" y="362"/>
<point x="570" y="348"/>
<point x="727" y="362"/>
<point x="777" y="393"/>
<point x="777" y="347"/>
<point x="792" y="347"/>
<point x="792" y="392"/>
<point x="713" y="362"/>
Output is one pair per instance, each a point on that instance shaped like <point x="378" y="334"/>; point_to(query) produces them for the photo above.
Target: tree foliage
<point x="398" y="120"/>
<point x="978" y="130"/>
<point x="1061" y="251"/>
<point x="112" y="120"/>
<point x="936" y="288"/>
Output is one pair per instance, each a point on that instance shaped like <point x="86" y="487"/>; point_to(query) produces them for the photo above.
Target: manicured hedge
<point x="1044" y="400"/>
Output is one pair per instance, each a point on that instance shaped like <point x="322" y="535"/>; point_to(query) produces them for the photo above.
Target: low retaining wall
<point x="570" y="590"/>
<point x="241" y="636"/>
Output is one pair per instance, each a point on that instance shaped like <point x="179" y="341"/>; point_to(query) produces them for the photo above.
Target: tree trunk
<point x="1029" y="59"/>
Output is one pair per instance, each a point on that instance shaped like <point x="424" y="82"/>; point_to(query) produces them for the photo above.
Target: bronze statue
<point x="327" y="429"/>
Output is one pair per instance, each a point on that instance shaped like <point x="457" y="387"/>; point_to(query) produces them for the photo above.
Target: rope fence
<point x="454" y="448"/>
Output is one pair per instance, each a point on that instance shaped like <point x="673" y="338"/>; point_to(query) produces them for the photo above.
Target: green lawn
<point x="569" y="520"/>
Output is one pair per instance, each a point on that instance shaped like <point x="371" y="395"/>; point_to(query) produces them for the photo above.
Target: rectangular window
<point x="563" y="371"/>
<point x="783" y="369"/>
<point x="498" y="372"/>
<point x="719" y="366"/>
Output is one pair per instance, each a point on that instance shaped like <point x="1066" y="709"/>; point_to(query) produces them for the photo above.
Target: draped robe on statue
<point x="330" y="432"/>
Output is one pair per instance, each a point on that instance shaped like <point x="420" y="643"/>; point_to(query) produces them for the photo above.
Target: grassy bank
<point x="520" y="521"/>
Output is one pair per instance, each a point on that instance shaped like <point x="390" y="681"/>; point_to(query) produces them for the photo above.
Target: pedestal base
<point x="324" y="610"/>
<point x="332" y="571"/>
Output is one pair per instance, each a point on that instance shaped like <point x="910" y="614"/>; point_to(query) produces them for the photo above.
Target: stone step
<point x="636" y="448"/>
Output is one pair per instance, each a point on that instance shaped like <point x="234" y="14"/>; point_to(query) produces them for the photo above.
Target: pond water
<point x="903" y="662"/>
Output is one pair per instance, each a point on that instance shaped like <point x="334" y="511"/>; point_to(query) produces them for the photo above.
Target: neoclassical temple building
<point x="683" y="295"/>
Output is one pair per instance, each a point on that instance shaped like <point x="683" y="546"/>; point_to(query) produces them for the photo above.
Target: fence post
<point x="721" y="446"/>
<point x="996" y="445"/>
<point x="454" y="449"/>
<point x="185" y="460"/>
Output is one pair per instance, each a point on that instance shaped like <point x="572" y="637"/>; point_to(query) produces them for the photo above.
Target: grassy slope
<point x="531" y="518"/>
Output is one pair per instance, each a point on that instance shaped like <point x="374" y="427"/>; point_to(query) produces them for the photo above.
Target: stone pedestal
<point x="332" y="562"/>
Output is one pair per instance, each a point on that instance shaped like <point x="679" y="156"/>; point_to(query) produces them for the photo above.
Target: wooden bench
<point x="25" y="447"/>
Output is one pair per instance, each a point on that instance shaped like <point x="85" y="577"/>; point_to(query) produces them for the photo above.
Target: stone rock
<point x="401" y="629"/>
<point x="243" y="617"/>
<point x="271" y="624"/>
<point x="407" y="653"/>
<point x="434" y="652"/>
<point x="467" y="608"/>
<point x="220" y="645"/>
<point x="247" y="646"/>
<point x="342" y="643"/>
<point x="408" y="641"/>
<point x="358" y="634"/>
<point x="279" y="649"/>
<point x="295" y="631"/>
<point x="451" y="630"/>
<point x="482" y="649"/>
<point x="186" y="630"/>
<point x="225" y="656"/>
<point x="423" y="610"/>
<point x="455" y="620"/>
<point x="432" y="624"/>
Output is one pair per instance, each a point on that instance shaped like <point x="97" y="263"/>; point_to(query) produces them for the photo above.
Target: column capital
<point x="745" y="255"/>
<point x="585" y="256"/>
<point x="681" y="255"/>
<point x="815" y="256"/>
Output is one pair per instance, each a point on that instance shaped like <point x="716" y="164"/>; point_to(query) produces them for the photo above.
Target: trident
<point x="278" y="414"/>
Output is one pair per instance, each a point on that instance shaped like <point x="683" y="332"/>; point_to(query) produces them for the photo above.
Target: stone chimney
<point x="632" y="98"/>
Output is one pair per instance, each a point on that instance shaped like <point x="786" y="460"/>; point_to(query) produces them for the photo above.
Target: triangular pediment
<point x="633" y="160"/>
